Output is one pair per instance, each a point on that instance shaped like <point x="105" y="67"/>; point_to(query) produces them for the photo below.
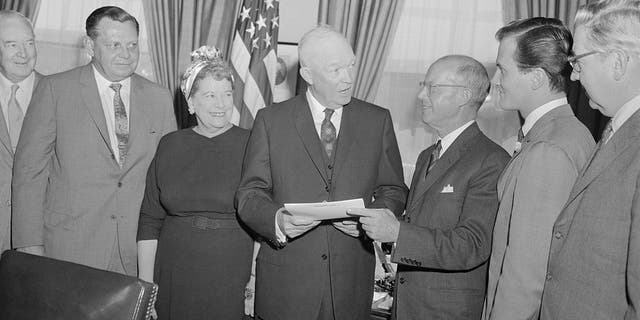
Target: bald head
<point x="17" y="46"/>
<point x="317" y="41"/>
<point x="468" y="72"/>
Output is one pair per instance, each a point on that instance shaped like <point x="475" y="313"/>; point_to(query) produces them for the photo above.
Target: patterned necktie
<point x="518" y="145"/>
<point x="607" y="132"/>
<point x="328" y="133"/>
<point x="15" y="115"/>
<point x="121" y="122"/>
<point x="433" y="158"/>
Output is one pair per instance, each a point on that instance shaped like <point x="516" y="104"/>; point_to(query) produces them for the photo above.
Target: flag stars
<point x="268" y="3"/>
<point x="252" y="29"/>
<point x="267" y="40"/>
<point x="261" y="22"/>
<point x="275" y="23"/>
<point x="255" y="43"/>
<point x="245" y="13"/>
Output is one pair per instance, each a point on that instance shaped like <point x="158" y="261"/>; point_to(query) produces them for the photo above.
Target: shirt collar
<point x="103" y="83"/>
<point x="6" y="84"/>
<point x="625" y="112"/>
<point x="317" y="109"/>
<point x="540" y="111"/>
<point x="448" y="140"/>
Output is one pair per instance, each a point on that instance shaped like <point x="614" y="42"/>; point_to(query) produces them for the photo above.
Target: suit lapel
<point x="138" y="121"/>
<point x="307" y="132"/>
<point x="4" y="134"/>
<point x="417" y="182"/>
<point x="93" y="103"/>
<point x="346" y="137"/>
<point x="451" y="156"/>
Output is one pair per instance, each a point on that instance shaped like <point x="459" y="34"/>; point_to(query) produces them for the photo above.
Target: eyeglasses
<point x="431" y="86"/>
<point x="575" y="64"/>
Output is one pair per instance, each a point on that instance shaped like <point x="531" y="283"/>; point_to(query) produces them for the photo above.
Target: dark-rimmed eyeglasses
<point x="575" y="64"/>
<point x="430" y="87"/>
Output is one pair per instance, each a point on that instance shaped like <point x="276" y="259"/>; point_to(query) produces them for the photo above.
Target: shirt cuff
<point x="280" y="236"/>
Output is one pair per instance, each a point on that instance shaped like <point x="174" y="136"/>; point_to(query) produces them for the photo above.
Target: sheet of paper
<point x="324" y="210"/>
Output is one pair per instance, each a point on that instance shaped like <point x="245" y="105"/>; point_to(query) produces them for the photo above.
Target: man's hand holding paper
<point x="316" y="212"/>
<point x="379" y="224"/>
<point x="293" y="226"/>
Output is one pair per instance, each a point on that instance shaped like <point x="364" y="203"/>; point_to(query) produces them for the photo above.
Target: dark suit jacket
<point x="285" y="163"/>
<point x="445" y="239"/>
<point x="594" y="262"/>
<point x="6" y="167"/>
<point x="69" y="192"/>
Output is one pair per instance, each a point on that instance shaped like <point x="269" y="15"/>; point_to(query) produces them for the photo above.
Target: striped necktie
<point x="15" y="117"/>
<point x="435" y="155"/>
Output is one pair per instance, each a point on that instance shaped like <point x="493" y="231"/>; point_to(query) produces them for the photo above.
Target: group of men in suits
<point x="555" y="228"/>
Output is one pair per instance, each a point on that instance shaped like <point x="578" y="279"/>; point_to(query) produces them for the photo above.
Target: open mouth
<point x="217" y="114"/>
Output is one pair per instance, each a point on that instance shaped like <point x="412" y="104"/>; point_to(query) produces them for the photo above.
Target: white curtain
<point x="61" y="25"/>
<point x="429" y="29"/>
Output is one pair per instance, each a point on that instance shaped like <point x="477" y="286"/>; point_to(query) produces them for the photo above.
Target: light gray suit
<point x="69" y="193"/>
<point x="594" y="262"/>
<point x="532" y="191"/>
<point x="6" y="167"/>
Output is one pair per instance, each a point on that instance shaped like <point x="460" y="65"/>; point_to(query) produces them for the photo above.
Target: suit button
<point x="119" y="184"/>
<point x="113" y="217"/>
<point x="401" y="280"/>
<point x="558" y="235"/>
<point x="8" y="203"/>
<point x="407" y="219"/>
<point x="324" y="257"/>
<point x="330" y="167"/>
<point x="548" y="277"/>
<point x="326" y="189"/>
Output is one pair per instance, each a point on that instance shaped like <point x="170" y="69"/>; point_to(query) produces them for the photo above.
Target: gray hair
<point x="471" y="74"/>
<point x="611" y="24"/>
<point x="315" y="36"/>
<point x="8" y="14"/>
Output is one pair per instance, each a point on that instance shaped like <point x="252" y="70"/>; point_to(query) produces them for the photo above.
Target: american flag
<point x="253" y="57"/>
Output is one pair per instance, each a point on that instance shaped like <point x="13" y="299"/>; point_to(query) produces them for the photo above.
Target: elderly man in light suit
<point x="554" y="147"/>
<point x="88" y="138"/>
<point x="17" y="81"/>
<point x="594" y="261"/>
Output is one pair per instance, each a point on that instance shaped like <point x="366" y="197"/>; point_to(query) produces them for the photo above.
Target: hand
<point x="379" y="224"/>
<point x="349" y="227"/>
<point x="37" y="250"/>
<point x="293" y="226"/>
<point x="249" y="296"/>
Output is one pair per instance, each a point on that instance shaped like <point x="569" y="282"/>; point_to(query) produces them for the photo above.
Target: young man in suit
<point x="553" y="148"/>
<point x="594" y="262"/>
<point x="81" y="162"/>
<point x="442" y="247"/>
<point x="17" y="80"/>
<point x="322" y="145"/>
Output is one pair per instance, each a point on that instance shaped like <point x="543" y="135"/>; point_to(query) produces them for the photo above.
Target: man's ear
<point x="305" y="73"/>
<point x="619" y="63"/>
<point x="537" y="78"/>
<point x="466" y="96"/>
<point x="89" y="45"/>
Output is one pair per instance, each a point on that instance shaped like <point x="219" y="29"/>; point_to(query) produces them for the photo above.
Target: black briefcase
<point x="34" y="287"/>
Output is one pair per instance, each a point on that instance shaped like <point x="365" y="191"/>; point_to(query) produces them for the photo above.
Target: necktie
<point x="121" y="123"/>
<point x="328" y="133"/>
<point x="518" y="145"/>
<point x="607" y="132"/>
<point x="15" y="115"/>
<point x="433" y="158"/>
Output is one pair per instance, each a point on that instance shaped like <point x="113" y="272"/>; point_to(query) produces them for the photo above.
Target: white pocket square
<point x="447" y="189"/>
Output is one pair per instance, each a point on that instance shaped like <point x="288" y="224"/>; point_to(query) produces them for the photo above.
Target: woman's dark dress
<point x="202" y="265"/>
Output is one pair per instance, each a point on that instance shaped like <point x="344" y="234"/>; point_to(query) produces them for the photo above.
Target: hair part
<point x="611" y="24"/>
<point x="543" y="43"/>
<point x="112" y="12"/>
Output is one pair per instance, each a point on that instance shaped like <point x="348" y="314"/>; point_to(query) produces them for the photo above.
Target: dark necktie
<point x="328" y="133"/>
<point x="15" y="117"/>
<point x="121" y="123"/>
<point x="433" y="158"/>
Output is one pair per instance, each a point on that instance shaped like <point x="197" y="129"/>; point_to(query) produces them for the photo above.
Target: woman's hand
<point x="250" y="296"/>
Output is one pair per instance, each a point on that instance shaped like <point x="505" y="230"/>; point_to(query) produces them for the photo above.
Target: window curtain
<point x="369" y="25"/>
<point x="29" y="8"/>
<point x="178" y="27"/>
<point x="565" y="10"/>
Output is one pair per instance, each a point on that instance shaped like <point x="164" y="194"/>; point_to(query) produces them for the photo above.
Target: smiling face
<point x="17" y="49"/>
<point x="441" y="108"/>
<point x="330" y="72"/>
<point x="510" y="83"/>
<point x="115" y="49"/>
<point x="213" y="104"/>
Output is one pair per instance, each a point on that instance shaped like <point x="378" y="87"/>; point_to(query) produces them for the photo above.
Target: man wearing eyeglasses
<point x="443" y="244"/>
<point x="594" y="261"/>
<point x="553" y="146"/>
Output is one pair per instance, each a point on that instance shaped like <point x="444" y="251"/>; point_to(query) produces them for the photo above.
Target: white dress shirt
<point x="540" y="111"/>
<point x="450" y="138"/>
<point x="106" y="97"/>
<point x="624" y="113"/>
<point x="23" y="95"/>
